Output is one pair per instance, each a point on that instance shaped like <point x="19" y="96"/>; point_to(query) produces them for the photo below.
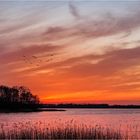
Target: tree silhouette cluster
<point x="17" y="97"/>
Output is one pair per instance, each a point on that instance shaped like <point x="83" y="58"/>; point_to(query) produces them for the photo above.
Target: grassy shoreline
<point x="68" y="130"/>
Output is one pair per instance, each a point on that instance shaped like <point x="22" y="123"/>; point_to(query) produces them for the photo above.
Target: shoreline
<point x="29" y="110"/>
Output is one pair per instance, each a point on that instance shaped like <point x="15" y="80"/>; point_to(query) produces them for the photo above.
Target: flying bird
<point x="26" y="60"/>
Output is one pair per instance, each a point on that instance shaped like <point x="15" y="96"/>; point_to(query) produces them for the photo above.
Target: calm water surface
<point x="115" y="118"/>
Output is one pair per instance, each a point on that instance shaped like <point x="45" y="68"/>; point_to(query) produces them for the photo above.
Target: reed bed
<point x="67" y="130"/>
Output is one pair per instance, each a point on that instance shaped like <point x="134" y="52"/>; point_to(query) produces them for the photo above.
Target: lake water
<point x="123" y="119"/>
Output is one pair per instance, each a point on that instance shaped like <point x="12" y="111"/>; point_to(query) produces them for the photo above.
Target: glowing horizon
<point x="72" y="51"/>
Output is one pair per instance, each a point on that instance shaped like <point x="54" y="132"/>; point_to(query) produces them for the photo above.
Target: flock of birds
<point x="35" y="60"/>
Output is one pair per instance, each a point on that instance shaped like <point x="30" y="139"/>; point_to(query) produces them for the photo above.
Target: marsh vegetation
<point x="67" y="130"/>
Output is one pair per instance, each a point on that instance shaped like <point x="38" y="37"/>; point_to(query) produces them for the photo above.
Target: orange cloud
<point x="59" y="58"/>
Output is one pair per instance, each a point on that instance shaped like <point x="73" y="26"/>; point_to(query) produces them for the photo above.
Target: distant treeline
<point x="17" y="98"/>
<point x="88" y="106"/>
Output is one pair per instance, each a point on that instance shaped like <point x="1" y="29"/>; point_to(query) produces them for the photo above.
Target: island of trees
<point x="17" y="98"/>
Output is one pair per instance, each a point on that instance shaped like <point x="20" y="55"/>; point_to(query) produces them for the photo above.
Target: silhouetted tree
<point x="17" y="97"/>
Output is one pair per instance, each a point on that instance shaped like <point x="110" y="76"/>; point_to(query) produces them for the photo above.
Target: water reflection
<point x="121" y="119"/>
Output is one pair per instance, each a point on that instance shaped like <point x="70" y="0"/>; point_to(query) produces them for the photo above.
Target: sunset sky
<point x="72" y="51"/>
